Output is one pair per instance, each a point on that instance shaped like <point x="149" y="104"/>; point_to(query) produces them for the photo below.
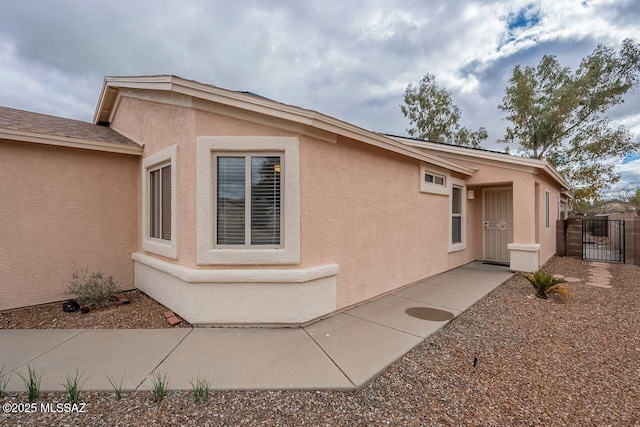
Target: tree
<point x="635" y="201"/>
<point x="431" y="111"/>
<point x="630" y="194"/>
<point x="557" y="115"/>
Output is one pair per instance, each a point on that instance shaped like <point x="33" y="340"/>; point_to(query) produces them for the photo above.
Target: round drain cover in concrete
<point x="426" y="313"/>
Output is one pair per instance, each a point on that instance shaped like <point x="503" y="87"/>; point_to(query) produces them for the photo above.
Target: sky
<point x="347" y="59"/>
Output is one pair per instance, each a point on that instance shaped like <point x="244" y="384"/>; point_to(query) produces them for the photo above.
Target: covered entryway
<point x="603" y="240"/>
<point x="498" y="224"/>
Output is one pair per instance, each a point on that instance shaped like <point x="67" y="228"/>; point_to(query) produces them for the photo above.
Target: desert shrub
<point x="92" y="289"/>
<point x="545" y="283"/>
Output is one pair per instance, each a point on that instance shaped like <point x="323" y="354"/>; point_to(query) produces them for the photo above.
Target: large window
<point x="160" y="203"/>
<point x="248" y="200"/>
<point x="159" y="208"/>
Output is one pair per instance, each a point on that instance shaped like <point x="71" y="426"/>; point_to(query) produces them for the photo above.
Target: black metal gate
<point x="603" y="240"/>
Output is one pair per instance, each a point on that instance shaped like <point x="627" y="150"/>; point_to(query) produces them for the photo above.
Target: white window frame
<point x="562" y="209"/>
<point x="547" y="208"/>
<point x="247" y="156"/>
<point x="432" y="187"/>
<point x="166" y="248"/>
<point x="207" y="150"/>
<point x="458" y="183"/>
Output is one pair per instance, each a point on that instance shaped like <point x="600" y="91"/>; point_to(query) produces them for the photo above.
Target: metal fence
<point x="603" y="240"/>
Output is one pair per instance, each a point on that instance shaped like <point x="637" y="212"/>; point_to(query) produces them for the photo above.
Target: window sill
<point x="217" y="256"/>
<point x="457" y="247"/>
<point x="434" y="189"/>
<point x="166" y="248"/>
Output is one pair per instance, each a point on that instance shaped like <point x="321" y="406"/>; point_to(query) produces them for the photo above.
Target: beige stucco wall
<point x="360" y="206"/>
<point x="362" y="209"/>
<point x="529" y="228"/>
<point x="63" y="209"/>
<point x="157" y="127"/>
<point x="547" y="236"/>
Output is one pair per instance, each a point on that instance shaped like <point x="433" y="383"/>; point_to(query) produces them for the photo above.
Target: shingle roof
<point x="28" y="121"/>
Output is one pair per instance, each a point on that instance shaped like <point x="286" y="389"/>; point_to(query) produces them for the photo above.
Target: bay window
<point x="247" y="200"/>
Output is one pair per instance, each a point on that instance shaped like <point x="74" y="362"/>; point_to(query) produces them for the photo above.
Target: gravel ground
<point x="141" y="313"/>
<point x="563" y="361"/>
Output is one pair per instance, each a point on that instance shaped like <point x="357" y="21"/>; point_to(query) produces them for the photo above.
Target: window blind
<point x="248" y="200"/>
<point x="265" y="200"/>
<point x="230" y="219"/>
<point x="154" y="203"/>
<point x="160" y="203"/>
<point x="166" y="202"/>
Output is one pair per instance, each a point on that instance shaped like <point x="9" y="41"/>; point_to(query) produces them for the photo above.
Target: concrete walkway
<point x="344" y="351"/>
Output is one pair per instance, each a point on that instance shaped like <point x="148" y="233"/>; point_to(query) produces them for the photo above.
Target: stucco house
<point x="233" y="209"/>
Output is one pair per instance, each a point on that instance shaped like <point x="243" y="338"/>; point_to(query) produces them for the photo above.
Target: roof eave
<point x="539" y="164"/>
<point x="311" y="118"/>
<point x="63" y="141"/>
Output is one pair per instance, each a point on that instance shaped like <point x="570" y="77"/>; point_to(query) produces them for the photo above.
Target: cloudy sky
<point x="348" y="59"/>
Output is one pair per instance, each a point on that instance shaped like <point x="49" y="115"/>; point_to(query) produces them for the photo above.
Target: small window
<point x="434" y="179"/>
<point x="456" y="215"/>
<point x="160" y="203"/>
<point x="248" y="198"/>
<point x="546" y="209"/>
<point x="563" y="210"/>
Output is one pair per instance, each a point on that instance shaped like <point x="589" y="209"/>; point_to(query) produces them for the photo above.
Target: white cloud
<point x="351" y="60"/>
<point x="630" y="172"/>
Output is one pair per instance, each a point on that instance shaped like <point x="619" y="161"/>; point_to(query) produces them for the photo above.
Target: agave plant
<point x="545" y="283"/>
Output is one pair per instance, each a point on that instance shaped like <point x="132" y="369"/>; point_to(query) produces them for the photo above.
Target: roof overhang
<point x="488" y="155"/>
<point x="107" y="105"/>
<point x="64" y="141"/>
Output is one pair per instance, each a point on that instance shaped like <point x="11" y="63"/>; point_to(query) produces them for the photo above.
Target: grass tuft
<point x="117" y="387"/>
<point x="4" y="380"/>
<point x="201" y="390"/>
<point x="32" y="383"/>
<point x="160" y="383"/>
<point x="73" y="386"/>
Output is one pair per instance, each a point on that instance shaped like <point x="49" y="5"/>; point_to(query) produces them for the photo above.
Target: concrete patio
<point x="344" y="351"/>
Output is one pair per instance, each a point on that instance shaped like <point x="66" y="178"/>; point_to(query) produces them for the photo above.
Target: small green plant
<point x="4" y="380"/>
<point x="117" y="387"/>
<point x="160" y="383"/>
<point x="32" y="383"/>
<point x="73" y="386"/>
<point x="92" y="289"/>
<point x="201" y="390"/>
<point x="545" y="283"/>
